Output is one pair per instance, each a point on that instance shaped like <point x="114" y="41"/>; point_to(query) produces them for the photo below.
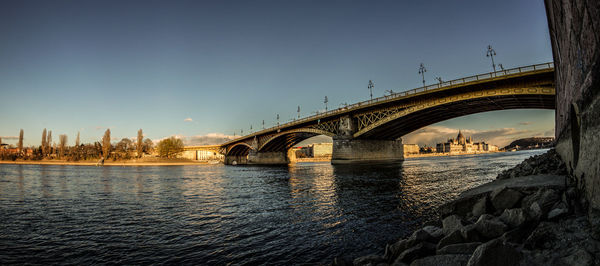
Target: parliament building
<point x="464" y="145"/>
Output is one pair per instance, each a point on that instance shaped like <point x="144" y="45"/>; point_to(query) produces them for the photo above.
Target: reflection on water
<point x="214" y="214"/>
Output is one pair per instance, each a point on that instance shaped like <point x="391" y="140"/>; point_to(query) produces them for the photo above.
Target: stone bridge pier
<point x="348" y="150"/>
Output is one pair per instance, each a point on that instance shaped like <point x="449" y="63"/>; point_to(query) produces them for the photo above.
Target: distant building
<point x="320" y="150"/>
<point x="411" y="149"/>
<point x="462" y="144"/>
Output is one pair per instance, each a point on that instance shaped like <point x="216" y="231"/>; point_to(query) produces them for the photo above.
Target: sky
<point x="202" y="70"/>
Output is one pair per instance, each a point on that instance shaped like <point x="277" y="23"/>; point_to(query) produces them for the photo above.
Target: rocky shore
<point x="532" y="214"/>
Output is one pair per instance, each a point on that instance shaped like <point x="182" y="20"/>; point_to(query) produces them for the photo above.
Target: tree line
<point x="125" y="149"/>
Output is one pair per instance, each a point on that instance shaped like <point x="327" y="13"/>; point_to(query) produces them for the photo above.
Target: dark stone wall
<point x="575" y="34"/>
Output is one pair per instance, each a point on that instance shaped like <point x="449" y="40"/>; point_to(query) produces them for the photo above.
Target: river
<point x="216" y="214"/>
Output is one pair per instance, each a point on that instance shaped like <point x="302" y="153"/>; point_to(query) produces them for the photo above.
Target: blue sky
<point x="85" y="66"/>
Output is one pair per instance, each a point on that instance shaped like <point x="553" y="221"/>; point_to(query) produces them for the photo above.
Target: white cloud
<point x="524" y="123"/>
<point x="189" y="119"/>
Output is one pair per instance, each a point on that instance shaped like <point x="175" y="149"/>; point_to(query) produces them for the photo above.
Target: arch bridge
<point x="372" y="130"/>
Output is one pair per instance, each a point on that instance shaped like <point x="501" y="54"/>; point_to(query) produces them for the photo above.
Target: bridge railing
<point x="399" y="95"/>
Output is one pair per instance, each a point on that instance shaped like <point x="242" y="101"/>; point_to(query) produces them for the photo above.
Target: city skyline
<point x="215" y="69"/>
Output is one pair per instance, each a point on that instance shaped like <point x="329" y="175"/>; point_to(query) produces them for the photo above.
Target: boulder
<point x="461" y="248"/>
<point x="513" y="217"/>
<point x="451" y="224"/>
<point x="368" y="259"/>
<point x="442" y="260"/>
<point x="579" y="257"/>
<point x="516" y="235"/>
<point x="394" y="250"/>
<point x="340" y="261"/>
<point x="470" y="233"/>
<point x="434" y="231"/>
<point x="398" y="263"/>
<point x="419" y="236"/>
<point x="452" y="238"/>
<point x="420" y="250"/>
<point x="490" y="228"/>
<point x="480" y="207"/>
<point x="505" y="198"/>
<point x="558" y="212"/>
<point x="494" y="253"/>
<point x="534" y="212"/>
<point x="542" y="237"/>
<point x="545" y="197"/>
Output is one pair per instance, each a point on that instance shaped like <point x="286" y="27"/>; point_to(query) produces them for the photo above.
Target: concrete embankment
<point x="515" y="220"/>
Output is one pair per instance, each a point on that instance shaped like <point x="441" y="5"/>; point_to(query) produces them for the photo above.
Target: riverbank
<point x="532" y="214"/>
<point x="109" y="163"/>
<point x="419" y="155"/>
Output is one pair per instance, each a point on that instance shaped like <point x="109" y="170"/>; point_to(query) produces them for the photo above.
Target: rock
<point x="398" y="263"/>
<point x="493" y="253"/>
<point x="452" y="238"/>
<point x="579" y="257"/>
<point x="557" y="213"/>
<point x="545" y="197"/>
<point x="339" y="261"/>
<point x="505" y="198"/>
<point x="418" y="251"/>
<point x="513" y="217"/>
<point x="515" y="236"/>
<point x="470" y="234"/>
<point x="451" y="224"/>
<point x="419" y="236"/>
<point x="394" y="250"/>
<point x="434" y="231"/>
<point x="490" y="228"/>
<point x="368" y="259"/>
<point x="480" y="207"/>
<point x="534" y="212"/>
<point x="542" y="236"/>
<point x="442" y="260"/>
<point x="461" y="248"/>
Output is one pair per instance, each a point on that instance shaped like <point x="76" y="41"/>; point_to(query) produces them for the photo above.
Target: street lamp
<point x="391" y="92"/>
<point x="490" y="53"/>
<point x="371" y="86"/>
<point x="422" y="71"/>
<point x="277" y="120"/>
<point x="298" y="111"/>
<point x="439" y="80"/>
<point x="326" y="101"/>
<point x="263" y="123"/>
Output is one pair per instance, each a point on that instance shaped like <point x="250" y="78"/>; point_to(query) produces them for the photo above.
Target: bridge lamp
<point x="277" y="120"/>
<point x="298" y="111"/>
<point x="422" y="71"/>
<point x="326" y="101"/>
<point x="439" y="80"/>
<point x="371" y="86"/>
<point x="250" y="128"/>
<point x="490" y="53"/>
<point x="263" y="124"/>
<point x="501" y="67"/>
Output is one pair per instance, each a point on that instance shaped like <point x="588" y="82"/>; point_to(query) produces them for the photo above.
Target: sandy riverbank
<point x="109" y="163"/>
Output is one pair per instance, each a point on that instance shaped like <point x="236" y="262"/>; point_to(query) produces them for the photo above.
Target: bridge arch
<point x="402" y="120"/>
<point x="239" y="149"/>
<point x="283" y="141"/>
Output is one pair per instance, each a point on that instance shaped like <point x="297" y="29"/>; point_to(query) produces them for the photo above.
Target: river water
<point x="215" y="214"/>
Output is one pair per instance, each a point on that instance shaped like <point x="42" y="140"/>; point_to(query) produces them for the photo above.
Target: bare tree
<point x="77" y="140"/>
<point x="62" y="143"/>
<point x="106" y="144"/>
<point x="21" y="141"/>
<point x="140" y="143"/>
<point x="44" y="143"/>
<point x="148" y="146"/>
<point x="49" y="142"/>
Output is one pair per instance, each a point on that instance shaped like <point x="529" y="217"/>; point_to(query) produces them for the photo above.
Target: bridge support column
<point x="268" y="158"/>
<point x="347" y="151"/>
<point x="235" y="159"/>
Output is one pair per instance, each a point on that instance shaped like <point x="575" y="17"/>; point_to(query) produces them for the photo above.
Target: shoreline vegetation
<point x="140" y="162"/>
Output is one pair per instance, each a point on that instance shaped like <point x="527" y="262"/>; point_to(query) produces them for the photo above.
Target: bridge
<point x="371" y="130"/>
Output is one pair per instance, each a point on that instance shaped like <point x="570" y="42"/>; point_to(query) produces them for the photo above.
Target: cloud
<point x="189" y="119"/>
<point x="436" y="134"/>
<point x="524" y="123"/>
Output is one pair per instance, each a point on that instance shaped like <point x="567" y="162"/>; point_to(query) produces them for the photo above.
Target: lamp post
<point x="298" y="111"/>
<point x="277" y="120"/>
<point x="490" y="53"/>
<point x="325" y="101"/>
<point x="263" y="124"/>
<point x="391" y="92"/>
<point x="439" y="80"/>
<point x="371" y="86"/>
<point x="422" y="71"/>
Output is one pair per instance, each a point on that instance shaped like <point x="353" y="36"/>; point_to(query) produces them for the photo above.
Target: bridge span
<point x="371" y="130"/>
